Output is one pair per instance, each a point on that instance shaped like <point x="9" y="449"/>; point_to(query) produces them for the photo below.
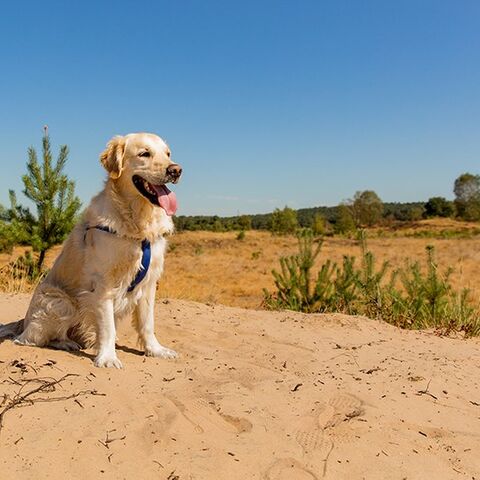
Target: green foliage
<point x="245" y="222"/>
<point x="401" y="212"/>
<point x="305" y="218"/>
<point x="467" y="196"/>
<point x="344" y="221"/>
<point x="439" y="207"/>
<point x="223" y="224"/>
<point x="411" y="297"/>
<point x="428" y="300"/>
<point x="444" y="233"/>
<point x="54" y="197"/>
<point x="367" y="208"/>
<point x="370" y="281"/>
<point x="8" y="237"/>
<point x="3" y="213"/>
<point x="284" y="221"/>
<point x="416" y="213"/>
<point x="319" y="225"/>
<point x="294" y="284"/>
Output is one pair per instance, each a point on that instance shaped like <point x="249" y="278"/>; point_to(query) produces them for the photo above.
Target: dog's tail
<point x="11" y="330"/>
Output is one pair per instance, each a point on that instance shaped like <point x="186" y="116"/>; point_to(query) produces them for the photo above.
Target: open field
<point x="218" y="268"/>
<point x="254" y="395"/>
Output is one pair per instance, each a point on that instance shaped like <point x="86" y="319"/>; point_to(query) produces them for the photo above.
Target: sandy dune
<point x="254" y="395"/>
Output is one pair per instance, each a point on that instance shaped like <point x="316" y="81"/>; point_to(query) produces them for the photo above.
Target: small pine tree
<point x="54" y="197"/>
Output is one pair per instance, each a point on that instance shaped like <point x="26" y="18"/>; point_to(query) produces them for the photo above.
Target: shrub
<point x="284" y="221"/>
<point x="344" y="222"/>
<point x="408" y="297"/>
<point x="7" y="237"/>
<point x="439" y="207"/>
<point x="319" y="224"/>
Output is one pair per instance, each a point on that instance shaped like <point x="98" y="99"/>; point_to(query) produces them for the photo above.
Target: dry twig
<point x="47" y="385"/>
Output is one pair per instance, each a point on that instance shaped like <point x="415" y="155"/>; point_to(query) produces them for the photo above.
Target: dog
<point x="111" y="261"/>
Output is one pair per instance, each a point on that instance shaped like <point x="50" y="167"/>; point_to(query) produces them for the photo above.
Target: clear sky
<point x="264" y="103"/>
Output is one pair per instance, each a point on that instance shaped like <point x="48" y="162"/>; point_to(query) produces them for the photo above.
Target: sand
<point x="254" y="395"/>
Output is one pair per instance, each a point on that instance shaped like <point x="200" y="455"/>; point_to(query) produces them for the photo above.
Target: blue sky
<point x="264" y="103"/>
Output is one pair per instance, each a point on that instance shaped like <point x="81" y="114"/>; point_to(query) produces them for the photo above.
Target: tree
<point x="367" y="208"/>
<point x="344" y="222"/>
<point x="284" y="221"/>
<point x="319" y="224"/>
<point x="467" y="196"/>
<point x="439" y="207"/>
<point x="54" y="197"/>
<point x="245" y="222"/>
<point x="416" y="213"/>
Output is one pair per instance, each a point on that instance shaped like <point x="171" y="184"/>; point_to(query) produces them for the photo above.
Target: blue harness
<point x="146" y="256"/>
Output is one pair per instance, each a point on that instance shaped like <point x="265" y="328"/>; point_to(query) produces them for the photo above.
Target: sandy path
<point x="255" y="395"/>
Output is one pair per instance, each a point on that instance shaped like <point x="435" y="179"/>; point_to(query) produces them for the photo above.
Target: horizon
<point x="264" y="105"/>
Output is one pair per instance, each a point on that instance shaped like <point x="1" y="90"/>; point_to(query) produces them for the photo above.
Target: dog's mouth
<point x="158" y="195"/>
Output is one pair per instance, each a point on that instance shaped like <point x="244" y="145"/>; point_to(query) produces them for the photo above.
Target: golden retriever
<point x="112" y="259"/>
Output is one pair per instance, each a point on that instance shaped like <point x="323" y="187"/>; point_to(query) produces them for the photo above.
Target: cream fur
<point x="85" y="293"/>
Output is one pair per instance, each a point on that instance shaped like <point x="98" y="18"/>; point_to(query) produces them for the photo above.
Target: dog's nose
<point x="174" y="170"/>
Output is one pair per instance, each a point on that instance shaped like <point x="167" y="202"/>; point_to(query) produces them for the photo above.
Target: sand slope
<point x="255" y="395"/>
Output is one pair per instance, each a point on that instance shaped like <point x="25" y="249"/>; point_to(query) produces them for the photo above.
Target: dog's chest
<point x="130" y="261"/>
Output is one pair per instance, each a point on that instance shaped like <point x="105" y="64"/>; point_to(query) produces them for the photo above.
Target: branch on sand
<point x="47" y="385"/>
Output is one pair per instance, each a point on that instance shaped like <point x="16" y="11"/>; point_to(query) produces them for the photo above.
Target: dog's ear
<point x="112" y="156"/>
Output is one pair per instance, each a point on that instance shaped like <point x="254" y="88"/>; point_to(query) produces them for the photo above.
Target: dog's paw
<point x="107" y="361"/>
<point x="160" y="351"/>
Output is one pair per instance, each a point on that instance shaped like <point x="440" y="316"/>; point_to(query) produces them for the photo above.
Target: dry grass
<point x="218" y="268"/>
<point x="214" y="267"/>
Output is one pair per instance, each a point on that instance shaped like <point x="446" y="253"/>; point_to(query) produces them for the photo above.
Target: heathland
<point x="221" y="267"/>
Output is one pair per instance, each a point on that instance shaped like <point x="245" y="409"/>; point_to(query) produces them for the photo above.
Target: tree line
<point x="365" y="209"/>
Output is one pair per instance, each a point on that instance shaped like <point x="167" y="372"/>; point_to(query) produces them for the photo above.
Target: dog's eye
<point x="146" y="153"/>
<point x="168" y="154"/>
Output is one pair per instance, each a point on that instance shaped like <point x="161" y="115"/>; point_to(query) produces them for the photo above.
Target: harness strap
<point x="142" y="272"/>
<point x="146" y="256"/>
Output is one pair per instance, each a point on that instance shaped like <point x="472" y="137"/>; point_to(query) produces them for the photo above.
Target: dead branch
<point x="47" y="385"/>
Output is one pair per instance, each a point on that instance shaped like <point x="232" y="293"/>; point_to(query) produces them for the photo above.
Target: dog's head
<point x="140" y="164"/>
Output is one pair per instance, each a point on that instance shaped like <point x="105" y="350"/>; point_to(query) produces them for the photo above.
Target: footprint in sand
<point x="288" y="469"/>
<point x="341" y="407"/>
<point x="315" y="433"/>
<point x="203" y="416"/>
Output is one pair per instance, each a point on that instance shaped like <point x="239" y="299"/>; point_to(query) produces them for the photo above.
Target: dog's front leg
<point x="106" y="356"/>
<point x="143" y="320"/>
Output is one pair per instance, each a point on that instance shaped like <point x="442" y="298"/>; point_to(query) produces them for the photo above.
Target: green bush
<point x="408" y="297"/>
<point x="284" y="222"/>
<point x="7" y="237"/>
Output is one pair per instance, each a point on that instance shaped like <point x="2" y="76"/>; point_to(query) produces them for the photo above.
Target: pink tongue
<point x="166" y="199"/>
